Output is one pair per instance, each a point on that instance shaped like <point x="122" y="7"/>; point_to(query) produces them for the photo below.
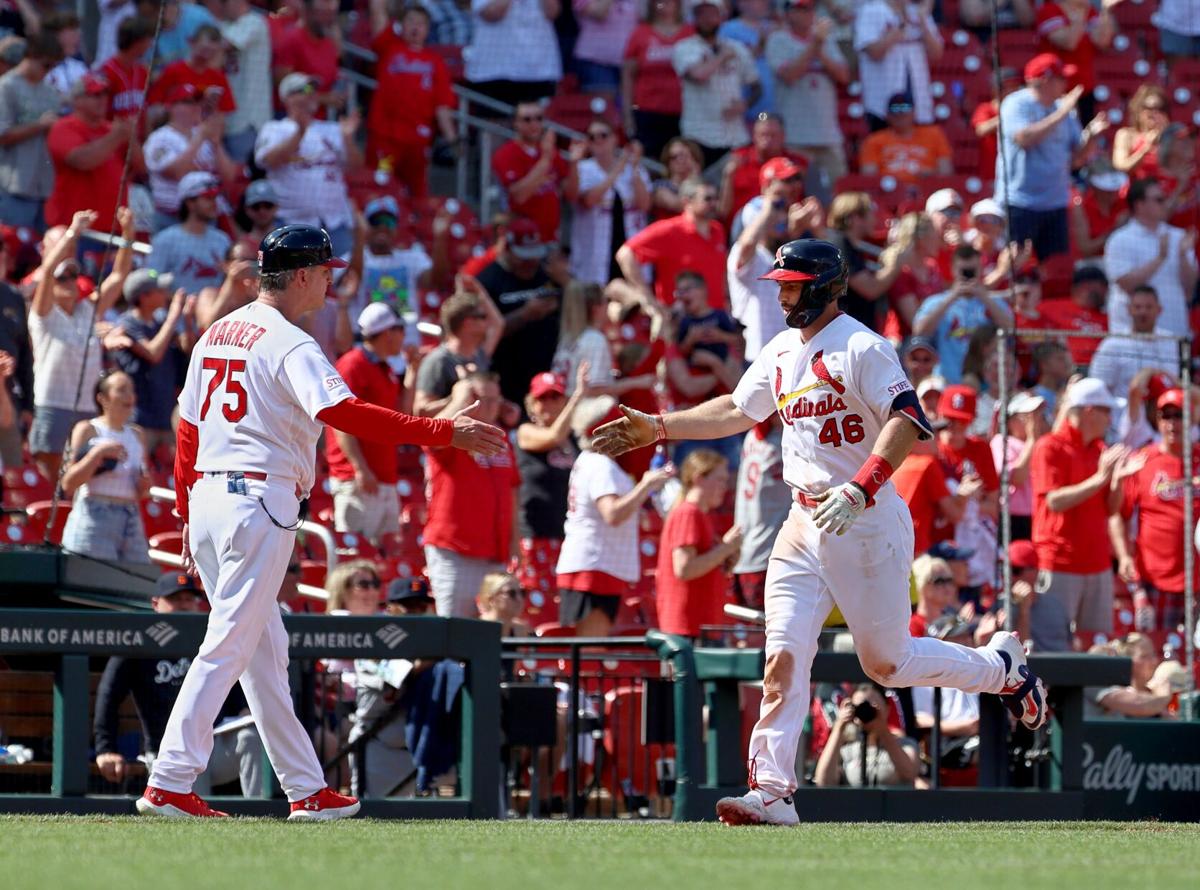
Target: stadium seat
<point x="158" y="517"/>
<point x="39" y="516"/>
<point x="169" y="542"/>
<point x="553" y="629"/>
<point x="24" y="484"/>
<point x="627" y="759"/>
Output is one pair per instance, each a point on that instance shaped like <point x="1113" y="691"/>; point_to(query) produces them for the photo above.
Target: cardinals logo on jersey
<point x="824" y="378"/>
<point x="818" y="367"/>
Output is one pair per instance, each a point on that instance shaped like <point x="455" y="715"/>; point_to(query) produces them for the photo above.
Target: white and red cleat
<point x="169" y="805"/>
<point x="756" y="808"/>
<point x="1023" y="693"/>
<point x="324" y="806"/>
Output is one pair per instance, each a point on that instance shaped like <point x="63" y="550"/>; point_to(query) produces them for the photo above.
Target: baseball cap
<point x="1022" y="555"/>
<point x="986" y="207"/>
<point x="918" y="342"/>
<point x="406" y="590"/>
<point x="142" y="281"/>
<point x="1024" y="403"/>
<point x="91" y="84"/>
<point x="377" y="318"/>
<point x="1157" y="385"/>
<point x="1106" y="179"/>
<point x="779" y="168"/>
<point x="296" y="82"/>
<point x="1045" y="64"/>
<point x="183" y="92"/>
<point x="957" y="403"/>
<point x="932" y="383"/>
<point x="1172" y="397"/>
<point x="1089" y="274"/>
<point x="1089" y="393"/>
<point x="380" y="206"/>
<point x="198" y="184"/>
<point x="943" y="199"/>
<point x="260" y="192"/>
<point x="547" y="382"/>
<point x="525" y="241"/>
<point x="900" y="103"/>
<point x="950" y="551"/>
<point x="170" y="583"/>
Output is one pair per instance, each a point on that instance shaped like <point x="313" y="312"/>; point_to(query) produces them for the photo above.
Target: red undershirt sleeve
<point x="187" y="443"/>
<point x="377" y="424"/>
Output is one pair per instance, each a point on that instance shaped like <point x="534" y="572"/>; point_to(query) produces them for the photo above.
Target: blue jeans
<point x="1174" y="44"/>
<point x="104" y="529"/>
<point x="18" y="210"/>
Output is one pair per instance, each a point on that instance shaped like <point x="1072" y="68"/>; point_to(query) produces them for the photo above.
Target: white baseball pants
<point x="242" y="557"/>
<point x="865" y="572"/>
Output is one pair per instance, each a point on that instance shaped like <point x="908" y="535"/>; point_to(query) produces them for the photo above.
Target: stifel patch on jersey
<point x="334" y="381"/>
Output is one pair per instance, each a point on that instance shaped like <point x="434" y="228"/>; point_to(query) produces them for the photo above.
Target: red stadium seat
<point x="39" y="517"/>
<point x="1135" y="15"/>
<point x="553" y="629"/>
<point x="24" y="484"/>
<point x="158" y="517"/>
<point x="169" y="542"/>
<point x="627" y="758"/>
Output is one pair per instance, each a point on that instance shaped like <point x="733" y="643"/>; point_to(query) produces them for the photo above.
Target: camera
<point x="967" y="274"/>
<point x="865" y="712"/>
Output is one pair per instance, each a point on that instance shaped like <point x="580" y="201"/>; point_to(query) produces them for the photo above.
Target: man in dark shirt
<point x="14" y="339"/>
<point x="852" y="222"/>
<point x="154" y="684"/>
<point x="529" y="302"/>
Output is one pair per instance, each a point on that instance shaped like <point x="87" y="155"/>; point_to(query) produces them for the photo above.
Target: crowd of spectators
<point x="1062" y="206"/>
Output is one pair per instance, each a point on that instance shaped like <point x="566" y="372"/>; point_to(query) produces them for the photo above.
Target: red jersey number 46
<point x="848" y="429"/>
<point x="234" y="400"/>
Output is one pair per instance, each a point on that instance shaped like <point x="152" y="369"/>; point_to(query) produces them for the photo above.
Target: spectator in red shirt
<point x="1178" y="177"/>
<point x="1155" y="492"/>
<point x="364" y="473"/>
<point x="413" y="95"/>
<point x="202" y="70"/>
<point x="917" y="238"/>
<point x="1076" y="486"/>
<point x="1082" y="312"/>
<point x="651" y="97"/>
<point x="691" y="583"/>
<point x="937" y="593"/>
<point x="313" y="48"/>
<point x="693" y="240"/>
<point x="1097" y="212"/>
<point x="125" y="72"/>
<point x="1135" y="145"/>
<point x="985" y="120"/>
<point x="532" y="172"/>
<point x="1074" y="31"/>
<point x="741" y="178"/>
<point x="472" y="505"/>
<point x="921" y="482"/>
<point x="88" y="153"/>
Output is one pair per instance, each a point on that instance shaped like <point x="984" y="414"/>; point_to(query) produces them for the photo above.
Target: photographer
<point x="889" y="759"/>
<point x="950" y="317"/>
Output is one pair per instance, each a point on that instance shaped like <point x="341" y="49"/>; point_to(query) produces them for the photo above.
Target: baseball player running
<point x="257" y="394"/>
<point x="850" y="417"/>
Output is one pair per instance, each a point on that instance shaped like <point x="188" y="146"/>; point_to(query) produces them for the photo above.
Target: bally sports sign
<point x="1151" y="767"/>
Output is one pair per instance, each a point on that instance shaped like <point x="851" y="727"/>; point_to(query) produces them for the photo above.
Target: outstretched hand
<point x="474" y="435"/>
<point x="635" y="430"/>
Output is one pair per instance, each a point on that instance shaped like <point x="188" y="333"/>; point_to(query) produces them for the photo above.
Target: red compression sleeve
<point x="872" y="475"/>
<point x="187" y="443"/>
<point x="377" y="424"/>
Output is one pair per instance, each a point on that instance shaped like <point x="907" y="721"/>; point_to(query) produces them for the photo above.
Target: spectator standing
<point x="1178" y="177"/>
<point x="808" y="67"/>
<point x="1178" y="23"/>
<point x="915" y="250"/>
<point x="611" y="204"/>
<point x="651" y="95"/>
<point x="693" y="240"/>
<point x="1083" y="311"/>
<point x="1150" y="550"/>
<point x="754" y="302"/>
<point x="125" y="72"/>
<point x="1026" y="424"/>
<point x="186" y="143"/>
<point x="413" y="97"/>
<point x="203" y="70"/>
<point x="1075" y="31"/>
<point x="1076" y="486"/>
<point x="950" y="318"/>
<point x="756" y="20"/>
<point x="720" y="81"/>
<point x="1038" y="618"/>
<point x="18" y="381"/>
<point x="248" y="66"/>
<point x="1120" y="357"/>
<point x="451" y="20"/>
<point x="381" y="270"/>
<point x="261" y="206"/>
<point x="581" y="342"/>
<point x="306" y="161"/>
<point x="1097" y="211"/>
<point x="851" y="223"/>
<point x="605" y="27"/>
<point x="363" y="474"/>
<point x="1135" y="146"/>
<point x="761" y="504"/>
<point x="66" y="353"/>
<point x="895" y="41"/>
<point x="1010" y="14"/>
<point x="179" y="22"/>
<point x="472" y="327"/>
<point x="683" y="160"/>
<point x="193" y="250"/>
<point x="532" y="173"/>
<point x="1147" y="250"/>
<point x="472" y="506"/>
<point x="514" y="55"/>
<point x="88" y="154"/>
<point x="313" y="48"/>
<point x="239" y="287"/>
<point x="29" y="107"/>
<point x="155" y="355"/>
<point x="691" y="583"/>
<point x="523" y="293"/>
<point x="1042" y="140"/>
<point x="112" y="14"/>
<point x="106" y="478"/>
<point x="902" y="149"/>
<point x="985" y="120"/>
<point x="745" y="173"/>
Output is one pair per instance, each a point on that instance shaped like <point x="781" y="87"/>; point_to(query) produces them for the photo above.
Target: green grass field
<point x="100" y="853"/>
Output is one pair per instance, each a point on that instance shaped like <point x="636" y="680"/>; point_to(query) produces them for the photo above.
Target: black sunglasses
<point x="942" y="579"/>
<point x="1168" y="414"/>
<point x="369" y="584"/>
<point x="530" y="118"/>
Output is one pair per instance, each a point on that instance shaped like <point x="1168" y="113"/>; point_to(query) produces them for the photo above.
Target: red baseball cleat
<point x="323" y="806"/>
<point x="169" y="805"/>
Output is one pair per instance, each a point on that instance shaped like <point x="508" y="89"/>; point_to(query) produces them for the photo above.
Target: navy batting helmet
<point x="817" y="263"/>
<point x="297" y="247"/>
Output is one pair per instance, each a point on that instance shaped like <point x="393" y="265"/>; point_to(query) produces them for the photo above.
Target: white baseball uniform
<point x="254" y="387"/>
<point x="834" y="394"/>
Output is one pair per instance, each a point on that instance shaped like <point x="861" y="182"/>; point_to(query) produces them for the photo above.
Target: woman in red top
<point x="1074" y="31"/>
<point x="1097" y="212"/>
<point x="650" y="89"/>
<point x="1133" y="145"/>
<point x="691" y="584"/>
<point x="916" y="236"/>
<point x="1177" y="175"/>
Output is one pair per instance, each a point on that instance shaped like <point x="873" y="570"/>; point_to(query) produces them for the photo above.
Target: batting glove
<point x="839" y="507"/>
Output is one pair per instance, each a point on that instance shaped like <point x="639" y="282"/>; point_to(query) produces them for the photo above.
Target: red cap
<point x="779" y="168"/>
<point x="1048" y="63"/>
<point x="547" y="382"/>
<point x="1022" y="555"/>
<point x="1157" y="385"/>
<point x="957" y="403"/>
<point x="1173" y="397"/>
<point x="525" y="239"/>
<point x="183" y="92"/>
<point x="91" y="84"/>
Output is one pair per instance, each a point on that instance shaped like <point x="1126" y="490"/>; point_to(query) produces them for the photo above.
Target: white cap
<point x="1024" y="403"/>
<point x="1089" y="393"/>
<point x="986" y="207"/>
<point x="197" y="183"/>
<point x="1108" y="180"/>
<point x="295" y="82"/>
<point x="377" y="318"/>
<point x="943" y="199"/>
<point x="932" y="383"/>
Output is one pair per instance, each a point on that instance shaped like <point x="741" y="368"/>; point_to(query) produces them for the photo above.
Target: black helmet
<point x="297" y="247"/>
<point x="818" y="263"/>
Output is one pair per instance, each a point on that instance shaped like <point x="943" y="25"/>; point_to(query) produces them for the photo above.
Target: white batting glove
<point x="839" y="507"/>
